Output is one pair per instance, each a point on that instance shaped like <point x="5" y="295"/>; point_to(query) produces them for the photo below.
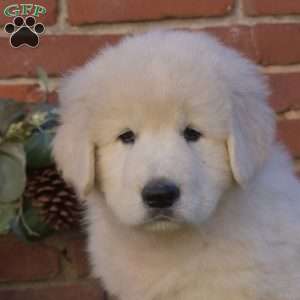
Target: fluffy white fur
<point x="236" y="227"/>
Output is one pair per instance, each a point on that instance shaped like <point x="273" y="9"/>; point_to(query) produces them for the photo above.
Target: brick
<point x="277" y="44"/>
<point x="23" y="262"/>
<point x="238" y="37"/>
<point x="56" y="54"/>
<point x="285" y="91"/>
<point x="29" y="93"/>
<point x="76" y="251"/>
<point x="288" y="133"/>
<point x="89" y="290"/>
<point x="48" y="19"/>
<point x="103" y="11"/>
<point x="21" y="92"/>
<point x="271" y="7"/>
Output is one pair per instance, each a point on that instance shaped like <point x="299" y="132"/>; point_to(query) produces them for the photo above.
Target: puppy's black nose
<point x="160" y="194"/>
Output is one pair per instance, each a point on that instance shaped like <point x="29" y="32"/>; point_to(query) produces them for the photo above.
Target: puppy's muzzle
<point x="160" y="194"/>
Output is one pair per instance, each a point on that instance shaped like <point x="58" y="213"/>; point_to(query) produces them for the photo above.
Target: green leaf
<point x="43" y="77"/>
<point x="7" y="214"/>
<point x="34" y="224"/>
<point x="41" y="107"/>
<point x="29" y="226"/>
<point x="38" y="149"/>
<point x="46" y="109"/>
<point x="17" y="228"/>
<point x="10" y="111"/>
<point x="12" y="172"/>
<point x="15" y="150"/>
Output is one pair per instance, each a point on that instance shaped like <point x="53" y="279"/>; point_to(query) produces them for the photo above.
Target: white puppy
<point x="169" y="139"/>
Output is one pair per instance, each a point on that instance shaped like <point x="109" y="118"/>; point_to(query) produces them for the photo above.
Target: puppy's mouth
<point x="161" y="213"/>
<point x="162" y="220"/>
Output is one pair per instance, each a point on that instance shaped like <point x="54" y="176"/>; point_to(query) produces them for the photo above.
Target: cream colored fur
<point x="236" y="228"/>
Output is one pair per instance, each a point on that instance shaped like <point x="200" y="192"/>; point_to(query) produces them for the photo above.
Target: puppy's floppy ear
<point x="251" y="126"/>
<point x="74" y="155"/>
<point x="73" y="149"/>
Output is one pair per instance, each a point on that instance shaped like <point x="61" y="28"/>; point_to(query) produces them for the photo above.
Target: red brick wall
<point x="267" y="31"/>
<point x="54" y="269"/>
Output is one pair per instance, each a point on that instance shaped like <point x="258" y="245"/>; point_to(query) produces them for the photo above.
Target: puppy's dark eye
<point x="191" y="135"/>
<point x="127" y="137"/>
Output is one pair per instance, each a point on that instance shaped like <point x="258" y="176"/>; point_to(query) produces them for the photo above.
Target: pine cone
<point x="54" y="199"/>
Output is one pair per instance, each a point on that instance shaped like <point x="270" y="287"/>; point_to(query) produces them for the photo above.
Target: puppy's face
<point x="163" y="176"/>
<point x="174" y="116"/>
<point x="162" y="160"/>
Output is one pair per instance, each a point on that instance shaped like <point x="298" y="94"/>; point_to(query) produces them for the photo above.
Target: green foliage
<point x="7" y="214"/>
<point x="43" y="77"/>
<point x="12" y="182"/>
<point x="12" y="172"/>
<point x="10" y="112"/>
<point x="26" y="134"/>
<point x="29" y="225"/>
<point x="38" y="149"/>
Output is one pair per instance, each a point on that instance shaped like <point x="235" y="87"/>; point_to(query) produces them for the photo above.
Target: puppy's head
<point x="161" y="126"/>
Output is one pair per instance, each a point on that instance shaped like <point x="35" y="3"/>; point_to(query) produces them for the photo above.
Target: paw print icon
<point x="24" y="32"/>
